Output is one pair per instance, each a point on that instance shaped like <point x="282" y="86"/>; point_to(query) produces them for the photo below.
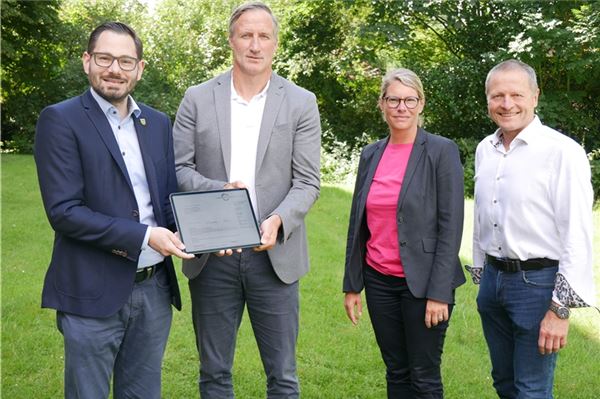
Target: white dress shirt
<point x="535" y="201"/>
<point x="246" y="118"/>
<point x="126" y="136"/>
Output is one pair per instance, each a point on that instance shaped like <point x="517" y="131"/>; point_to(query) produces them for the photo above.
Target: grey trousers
<point x="219" y="294"/>
<point x="127" y="346"/>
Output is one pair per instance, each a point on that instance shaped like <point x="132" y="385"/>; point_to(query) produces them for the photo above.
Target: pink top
<point x="383" y="252"/>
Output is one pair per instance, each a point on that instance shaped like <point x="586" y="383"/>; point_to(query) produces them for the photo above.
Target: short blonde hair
<point x="404" y="76"/>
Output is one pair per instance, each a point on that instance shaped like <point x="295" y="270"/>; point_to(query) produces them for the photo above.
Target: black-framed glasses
<point x="105" y="60"/>
<point x="394" y="102"/>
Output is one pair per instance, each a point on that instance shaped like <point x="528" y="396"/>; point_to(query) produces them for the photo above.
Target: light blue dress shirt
<point x="126" y="136"/>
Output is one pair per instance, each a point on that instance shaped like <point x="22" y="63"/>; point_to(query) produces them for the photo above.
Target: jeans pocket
<point x="543" y="278"/>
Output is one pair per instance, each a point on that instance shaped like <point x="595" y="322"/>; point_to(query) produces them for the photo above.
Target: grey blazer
<point x="287" y="161"/>
<point x="429" y="218"/>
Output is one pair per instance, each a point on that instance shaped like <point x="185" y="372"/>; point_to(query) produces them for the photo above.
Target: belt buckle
<point x="512" y="265"/>
<point x="148" y="272"/>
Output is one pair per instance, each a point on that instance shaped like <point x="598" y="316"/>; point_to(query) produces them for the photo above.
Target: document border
<point x="179" y="222"/>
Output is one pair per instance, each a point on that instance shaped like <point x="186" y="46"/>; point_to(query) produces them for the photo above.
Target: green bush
<point x="467" y="147"/>
<point x="339" y="162"/>
<point x="594" y="158"/>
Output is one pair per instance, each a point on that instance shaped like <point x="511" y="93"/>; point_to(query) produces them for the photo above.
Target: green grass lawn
<point x="335" y="359"/>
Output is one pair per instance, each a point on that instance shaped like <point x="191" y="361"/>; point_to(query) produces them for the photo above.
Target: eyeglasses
<point x="394" y="102"/>
<point x="105" y="60"/>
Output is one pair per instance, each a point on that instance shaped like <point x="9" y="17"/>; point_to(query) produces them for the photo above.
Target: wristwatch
<point x="562" y="312"/>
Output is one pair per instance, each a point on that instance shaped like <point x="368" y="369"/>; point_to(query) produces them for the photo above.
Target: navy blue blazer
<point x="91" y="206"/>
<point x="429" y="218"/>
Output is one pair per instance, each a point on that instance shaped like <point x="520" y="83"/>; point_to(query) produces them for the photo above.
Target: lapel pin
<point x="143" y="121"/>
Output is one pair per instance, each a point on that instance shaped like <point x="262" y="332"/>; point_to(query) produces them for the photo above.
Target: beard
<point x="109" y="92"/>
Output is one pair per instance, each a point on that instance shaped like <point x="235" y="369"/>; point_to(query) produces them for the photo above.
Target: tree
<point x="30" y="63"/>
<point x="562" y="42"/>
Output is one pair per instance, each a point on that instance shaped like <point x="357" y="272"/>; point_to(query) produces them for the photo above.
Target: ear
<point x="535" y="98"/>
<point x="421" y="106"/>
<point x="86" y="59"/>
<point x="140" y="69"/>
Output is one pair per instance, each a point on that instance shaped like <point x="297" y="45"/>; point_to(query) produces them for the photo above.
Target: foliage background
<point x="339" y="49"/>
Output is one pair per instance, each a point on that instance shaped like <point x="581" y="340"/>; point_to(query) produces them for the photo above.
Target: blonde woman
<point x="403" y="240"/>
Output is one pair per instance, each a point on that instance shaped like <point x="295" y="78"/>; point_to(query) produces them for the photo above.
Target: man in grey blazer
<point x="251" y="128"/>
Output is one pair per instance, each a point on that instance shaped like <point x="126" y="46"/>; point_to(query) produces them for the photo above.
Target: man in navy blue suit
<point x="106" y="169"/>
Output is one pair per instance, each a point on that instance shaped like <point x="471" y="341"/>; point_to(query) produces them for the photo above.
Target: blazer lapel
<point x="275" y="95"/>
<point x="103" y="128"/>
<point x="145" y="143"/>
<point x="413" y="162"/>
<point x="371" y="169"/>
<point x="222" y="93"/>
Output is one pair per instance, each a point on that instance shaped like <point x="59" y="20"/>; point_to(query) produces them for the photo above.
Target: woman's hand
<point x="435" y="313"/>
<point x="353" y="305"/>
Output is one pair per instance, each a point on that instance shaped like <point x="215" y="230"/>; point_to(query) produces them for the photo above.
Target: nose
<point x="506" y="102"/>
<point x="254" y="44"/>
<point x="401" y="106"/>
<point x="114" y="67"/>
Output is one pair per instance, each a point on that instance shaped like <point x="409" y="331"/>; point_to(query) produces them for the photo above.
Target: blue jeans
<point x="127" y="346"/>
<point x="511" y="306"/>
<point x="219" y="294"/>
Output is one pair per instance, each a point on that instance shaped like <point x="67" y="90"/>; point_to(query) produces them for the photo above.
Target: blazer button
<point x="135" y="213"/>
<point x="400" y="219"/>
<point x="402" y="243"/>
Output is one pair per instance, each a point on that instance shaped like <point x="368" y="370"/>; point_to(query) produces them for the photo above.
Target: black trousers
<point x="411" y="352"/>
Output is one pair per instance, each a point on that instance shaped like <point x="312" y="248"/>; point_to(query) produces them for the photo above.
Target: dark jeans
<point x="511" y="306"/>
<point x="411" y="352"/>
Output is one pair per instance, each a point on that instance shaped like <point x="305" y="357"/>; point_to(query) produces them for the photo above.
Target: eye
<point x="126" y="61"/>
<point x="411" y="101"/>
<point x="104" y="58"/>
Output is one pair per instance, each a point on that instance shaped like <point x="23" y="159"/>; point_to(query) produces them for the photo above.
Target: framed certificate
<point x="209" y="221"/>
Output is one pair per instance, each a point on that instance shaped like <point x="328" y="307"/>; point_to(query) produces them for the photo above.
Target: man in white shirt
<point x="249" y="127"/>
<point x="532" y="235"/>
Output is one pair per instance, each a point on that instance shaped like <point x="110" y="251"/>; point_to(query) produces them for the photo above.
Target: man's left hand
<point x="269" y="229"/>
<point x="553" y="333"/>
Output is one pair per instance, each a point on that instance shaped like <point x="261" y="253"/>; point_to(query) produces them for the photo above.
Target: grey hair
<point x="510" y="65"/>
<point x="404" y="76"/>
<point x="254" y="5"/>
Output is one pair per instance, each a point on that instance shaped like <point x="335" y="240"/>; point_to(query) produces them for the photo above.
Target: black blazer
<point x="91" y="206"/>
<point x="429" y="218"/>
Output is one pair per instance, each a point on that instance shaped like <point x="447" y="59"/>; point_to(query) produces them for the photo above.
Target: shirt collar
<point x="236" y="97"/>
<point x="528" y="135"/>
<point x="107" y="108"/>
